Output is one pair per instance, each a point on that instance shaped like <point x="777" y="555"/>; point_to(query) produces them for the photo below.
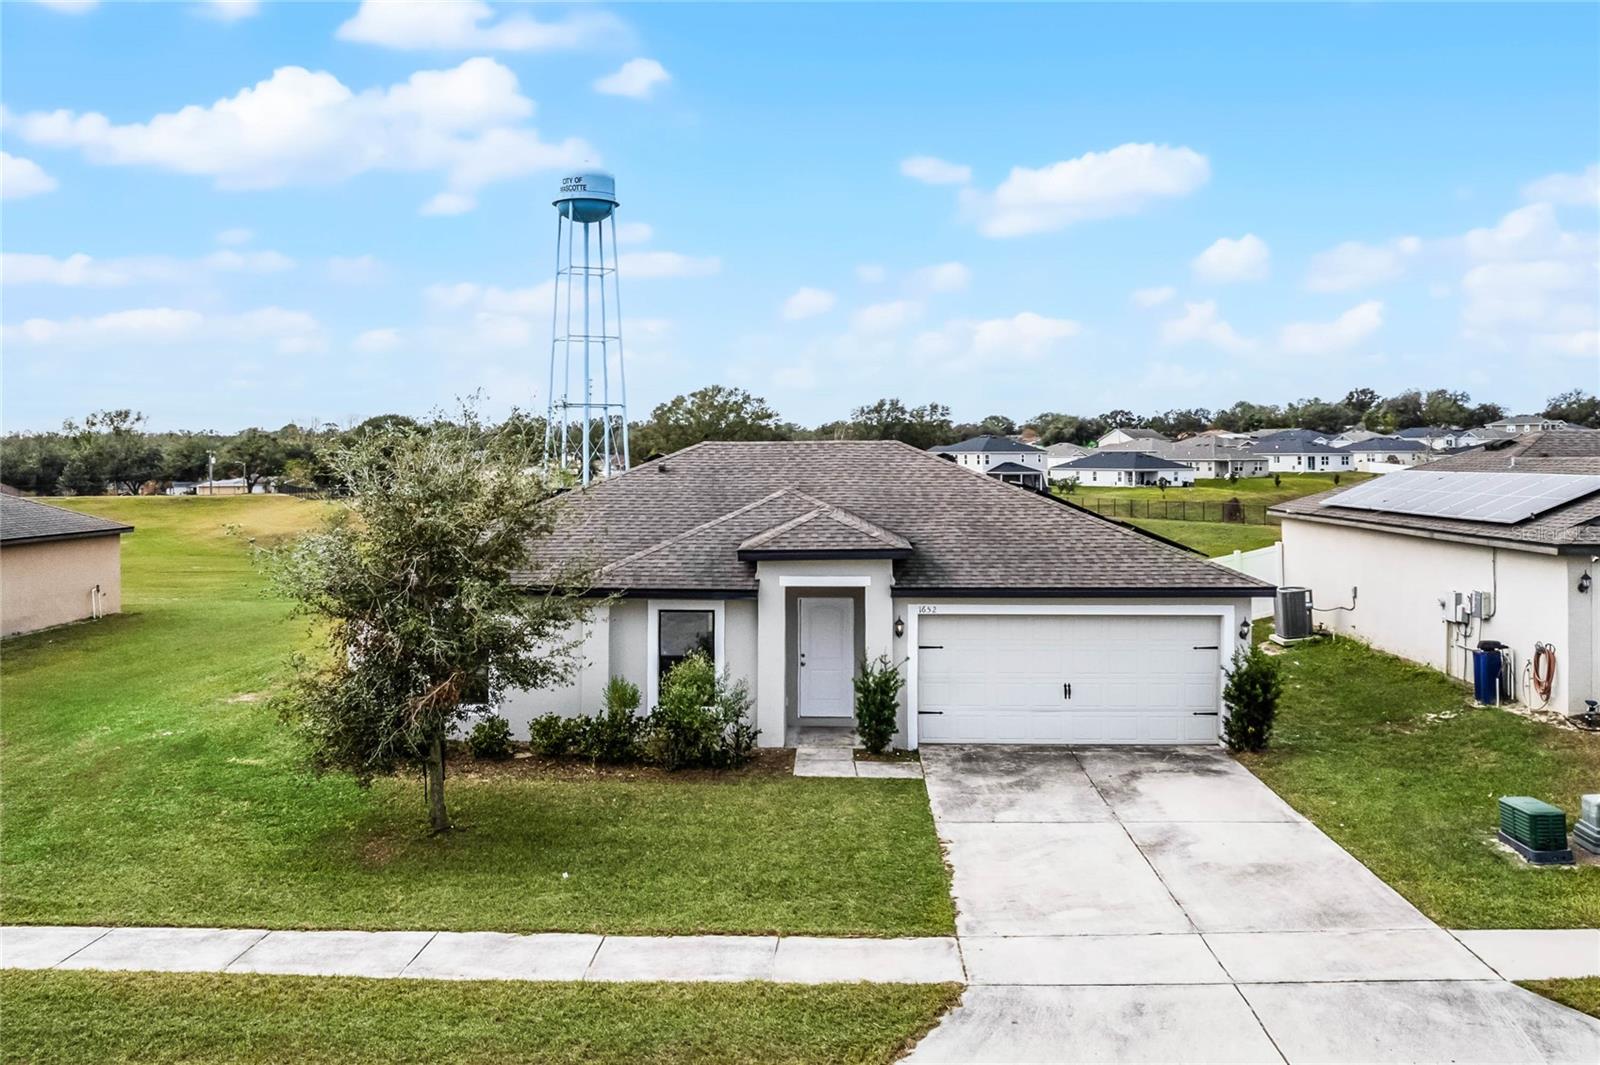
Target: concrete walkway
<point x="485" y="955"/>
<point x="1122" y="904"/>
<point x="841" y="762"/>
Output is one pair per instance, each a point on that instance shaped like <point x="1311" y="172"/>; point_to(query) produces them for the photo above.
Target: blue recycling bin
<point x="1486" y="677"/>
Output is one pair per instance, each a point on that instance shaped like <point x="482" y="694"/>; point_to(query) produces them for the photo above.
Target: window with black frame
<point x="681" y="634"/>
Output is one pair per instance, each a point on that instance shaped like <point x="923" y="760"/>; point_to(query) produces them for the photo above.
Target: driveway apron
<point x="1126" y="904"/>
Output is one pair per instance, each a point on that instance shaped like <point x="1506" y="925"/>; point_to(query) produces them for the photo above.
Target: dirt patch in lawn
<point x="771" y="762"/>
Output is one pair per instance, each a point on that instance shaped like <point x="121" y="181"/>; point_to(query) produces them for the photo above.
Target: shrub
<point x="490" y="738"/>
<point x="613" y="736"/>
<point x="878" y="687"/>
<point x="702" y="719"/>
<point x="553" y="735"/>
<point x="1252" y="696"/>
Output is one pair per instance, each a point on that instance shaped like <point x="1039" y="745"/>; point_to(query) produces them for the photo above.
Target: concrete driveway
<point x="1162" y="904"/>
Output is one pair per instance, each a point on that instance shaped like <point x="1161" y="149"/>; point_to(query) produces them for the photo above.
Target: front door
<point x="827" y="656"/>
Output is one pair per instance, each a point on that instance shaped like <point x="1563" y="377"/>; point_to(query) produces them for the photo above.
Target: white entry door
<point x="827" y="656"/>
<point x="1041" y="678"/>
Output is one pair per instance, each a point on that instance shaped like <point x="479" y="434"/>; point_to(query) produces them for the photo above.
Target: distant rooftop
<point x="992" y="444"/>
<point x="23" y="521"/>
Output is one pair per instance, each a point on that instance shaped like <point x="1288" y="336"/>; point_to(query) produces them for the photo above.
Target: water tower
<point x="581" y="430"/>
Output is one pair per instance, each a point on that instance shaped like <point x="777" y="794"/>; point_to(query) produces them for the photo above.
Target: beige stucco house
<point x="1014" y="617"/>
<point x="1395" y="562"/>
<point x="56" y="565"/>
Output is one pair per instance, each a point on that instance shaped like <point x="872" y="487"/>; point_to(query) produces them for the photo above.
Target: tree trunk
<point x="438" y="817"/>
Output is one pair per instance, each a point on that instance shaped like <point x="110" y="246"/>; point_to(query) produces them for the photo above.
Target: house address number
<point x="925" y="609"/>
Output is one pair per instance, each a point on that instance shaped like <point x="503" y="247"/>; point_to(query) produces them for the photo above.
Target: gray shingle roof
<point x="1122" y="460"/>
<point x="1012" y="467"/>
<point x="1575" y="525"/>
<point x="24" y="521"/>
<point x="992" y="444"/>
<point x="676" y="524"/>
<point x="824" y="531"/>
<point x="1138" y="434"/>
<point x="1386" y="443"/>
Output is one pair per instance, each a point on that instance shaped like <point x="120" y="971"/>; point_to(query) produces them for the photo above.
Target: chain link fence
<point x="1227" y="510"/>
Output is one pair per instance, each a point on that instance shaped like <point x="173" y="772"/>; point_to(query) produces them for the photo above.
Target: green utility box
<point x="1534" y="829"/>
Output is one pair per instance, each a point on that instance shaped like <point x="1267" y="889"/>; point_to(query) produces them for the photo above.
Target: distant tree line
<point x="111" y="451"/>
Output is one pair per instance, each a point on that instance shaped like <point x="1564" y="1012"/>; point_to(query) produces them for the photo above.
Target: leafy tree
<point x="1576" y="406"/>
<point x="1360" y="400"/>
<point x="997" y="425"/>
<point x="410" y="580"/>
<point x="1176" y="423"/>
<point x="111" y="445"/>
<point x="33" y="462"/>
<point x="716" y="412"/>
<point x="1322" y="417"/>
<point x="258" y="455"/>
<point x="1121" y="419"/>
<point x="187" y="457"/>
<point x="1247" y="417"/>
<point x="1401" y="411"/>
<point x="889" y="419"/>
<point x="1444" y="407"/>
<point x="1483" y="414"/>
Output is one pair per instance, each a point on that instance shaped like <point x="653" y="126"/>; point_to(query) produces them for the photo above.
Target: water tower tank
<point x="587" y="197"/>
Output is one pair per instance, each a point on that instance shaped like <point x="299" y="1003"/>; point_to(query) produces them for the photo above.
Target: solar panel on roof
<point x="1500" y="498"/>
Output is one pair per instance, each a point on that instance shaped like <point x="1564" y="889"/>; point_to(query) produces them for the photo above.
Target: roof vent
<point x="662" y="467"/>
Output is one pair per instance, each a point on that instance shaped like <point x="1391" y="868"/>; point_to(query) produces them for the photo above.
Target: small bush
<point x="702" y="719"/>
<point x="553" y="735"/>
<point x="490" y="738"/>
<point x="613" y="736"/>
<point x="1252" y="696"/>
<point x="878" y="687"/>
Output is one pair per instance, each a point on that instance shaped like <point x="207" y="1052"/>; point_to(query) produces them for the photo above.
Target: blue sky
<point x="236" y="214"/>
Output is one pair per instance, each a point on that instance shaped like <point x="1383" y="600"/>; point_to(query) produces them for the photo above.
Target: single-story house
<point x="1058" y="455"/>
<point x="1285" y="453"/>
<point x="1437" y="437"/>
<point x="988" y="454"/>
<point x="1128" y="469"/>
<point x="1133" y="439"/>
<point x="1386" y="454"/>
<point x="1487" y="545"/>
<point x="1531" y="423"/>
<point x="1210" y="456"/>
<point x="1014" y="617"/>
<point x="56" y="565"/>
<point x="232" y="486"/>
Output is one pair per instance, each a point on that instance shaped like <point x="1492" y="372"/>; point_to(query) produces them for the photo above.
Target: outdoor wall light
<point x="1244" y="629"/>
<point x="899" y="626"/>
<point x="1585" y="581"/>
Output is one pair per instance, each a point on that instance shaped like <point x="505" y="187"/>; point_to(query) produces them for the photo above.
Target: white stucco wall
<point x="1400" y="580"/>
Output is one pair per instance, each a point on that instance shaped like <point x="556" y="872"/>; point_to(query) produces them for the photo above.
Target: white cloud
<point x="1528" y="232"/>
<point x="942" y="277"/>
<point x="1025" y="337"/>
<point x="290" y="332"/>
<point x="932" y="171"/>
<point x="69" y="7"/>
<point x="808" y="303"/>
<point x="463" y="295"/>
<point x="1121" y="181"/>
<point x="377" y="341"/>
<point x="230" y="10"/>
<point x="634" y="233"/>
<point x="236" y="236"/>
<point x="1323" y="338"/>
<point x="871" y="274"/>
<point x="300" y="127"/>
<point x="1228" y="260"/>
<point x="446" y="204"/>
<point x="1201" y="322"/>
<point x="469" y="25"/>
<point x="1531" y="284"/>
<point x="653" y="264"/>
<point x="21" y="178"/>
<point x="354" y="269"/>
<point x="635" y="79"/>
<point x="85" y="271"/>
<point x="1354" y="265"/>
<point x="879" y="318"/>
<point x="1573" y="190"/>
<point x="1152" y="297"/>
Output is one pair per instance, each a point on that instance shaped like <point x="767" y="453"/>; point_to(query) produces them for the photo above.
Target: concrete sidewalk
<point x="485" y="955"/>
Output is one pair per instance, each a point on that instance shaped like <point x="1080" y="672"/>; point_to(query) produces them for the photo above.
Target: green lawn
<point x="89" y="1018"/>
<point x="1211" y="538"/>
<point x="1393" y="762"/>
<point x="1582" y="994"/>
<point x="1255" y="491"/>
<point x="146" y="782"/>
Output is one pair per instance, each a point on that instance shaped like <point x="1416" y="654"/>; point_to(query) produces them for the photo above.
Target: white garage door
<point x="1015" y="678"/>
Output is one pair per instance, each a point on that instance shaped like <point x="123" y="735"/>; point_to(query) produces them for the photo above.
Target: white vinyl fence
<point x="1264" y="563"/>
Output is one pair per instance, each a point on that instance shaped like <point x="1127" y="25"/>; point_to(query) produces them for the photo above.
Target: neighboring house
<point x="1437" y="437"/>
<point x="1216" y="457"/>
<point x="1058" y="455"/>
<point x="1531" y="423"/>
<point x="1015" y="617"/>
<point x="1127" y="469"/>
<point x="988" y="454"/>
<point x="1389" y="570"/>
<point x="1294" y="452"/>
<point x="1386" y="454"/>
<point x="1352" y="436"/>
<point x="1482" y="435"/>
<point x="1133" y="439"/>
<point x="56" y="565"/>
<point x="231" y="486"/>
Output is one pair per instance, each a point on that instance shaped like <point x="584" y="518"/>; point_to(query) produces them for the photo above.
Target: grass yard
<point x="89" y="1018"/>
<point x="1211" y="538"/>
<point x="1582" y="994"/>
<point x="1393" y="762"/>
<point x="1255" y="491"/>
<point x="147" y="782"/>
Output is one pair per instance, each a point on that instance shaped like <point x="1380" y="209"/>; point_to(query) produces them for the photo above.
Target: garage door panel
<point x="1135" y="679"/>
